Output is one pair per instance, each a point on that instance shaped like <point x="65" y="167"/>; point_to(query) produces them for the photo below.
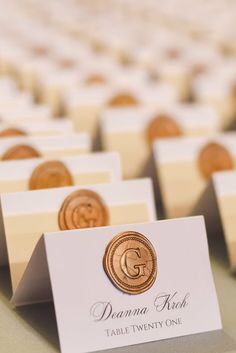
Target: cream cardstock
<point x="178" y="171"/>
<point x="13" y="114"/>
<point x="31" y="70"/>
<point x="125" y="130"/>
<point x="50" y="146"/>
<point x="214" y="90"/>
<point x="181" y="301"/>
<point x="18" y="99"/>
<point x="91" y="168"/>
<point x="41" y="127"/>
<point x="27" y="215"/>
<point x="217" y="204"/>
<point x="54" y="86"/>
<point x="85" y="106"/>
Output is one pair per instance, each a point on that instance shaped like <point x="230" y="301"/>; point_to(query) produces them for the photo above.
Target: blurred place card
<point x="124" y="285"/>
<point x="217" y="204"/>
<point x="42" y="173"/>
<point x="214" y="89"/>
<point x="184" y="166"/>
<point x="23" y="147"/>
<point x="13" y="113"/>
<point x="85" y="105"/>
<point x="135" y="128"/>
<point x="27" y="215"/>
<point x="36" y="128"/>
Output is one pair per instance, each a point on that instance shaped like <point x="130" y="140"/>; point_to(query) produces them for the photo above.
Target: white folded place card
<point x="36" y="128"/>
<point x="85" y="105"/>
<point x="18" y="99"/>
<point x="15" y="114"/>
<point x="214" y="90"/>
<point x="27" y="215"/>
<point x="22" y="147"/>
<point x="184" y="166"/>
<point x="44" y="173"/>
<point x="123" y="285"/>
<point x="217" y="204"/>
<point x="54" y="86"/>
<point x="133" y="129"/>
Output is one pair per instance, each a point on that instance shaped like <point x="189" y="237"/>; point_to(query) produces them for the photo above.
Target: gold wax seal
<point x="20" y="152"/>
<point x="162" y="126"/>
<point x="95" y="79"/>
<point x="123" y="99"/>
<point x="214" y="157"/>
<point x="83" y="209"/>
<point x="199" y="69"/>
<point x="50" y="174"/>
<point x="130" y="262"/>
<point x="12" y="132"/>
<point x="40" y="50"/>
<point x="66" y="63"/>
<point x="173" y="53"/>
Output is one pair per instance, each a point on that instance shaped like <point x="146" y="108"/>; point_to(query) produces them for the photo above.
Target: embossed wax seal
<point x="123" y="99"/>
<point x="12" y="132"/>
<point x="95" y="79"/>
<point x="20" y="152"/>
<point x="83" y="209"/>
<point x="162" y="126"/>
<point x="130" y="262"/>
<point x="214" y="157"/>
<point x="50" y="174"/>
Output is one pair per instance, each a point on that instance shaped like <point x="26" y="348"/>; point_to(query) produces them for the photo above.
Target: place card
<point x="134" y="129"/>
<point x="27" y="215"/>
<point x="85" y="105"/>
<point x="31" y="70"/>
<point x="23" y="147"/>
<point x="36" y="128"/>
<point x="44" y="173"/>
<point x="54" y="86"/>
<point x="217" y="204"/>
<point x="185" y="165"/>
<point x="215" y="90"/>
<point x="175" y="72"/>
<point x="20" y="100"/>
<point x="14" y="114"/>
<point x="124" y="285"/>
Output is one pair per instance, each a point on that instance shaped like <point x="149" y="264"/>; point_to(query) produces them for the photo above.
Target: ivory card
<point x="27" y="215"/>
<point x="217" y="204"/>
<point x="49" y="146"/>
<point x="180" y="169"/>
<point x="91" y="168"/>
<point x="94" y="168"/>
<point x="14" y="114"/>
<point x="39" y="128"/>
<point x="216" y="91"/>
<point x="93" y="314"/>
<point x="84" y="106"/>
<point x="54" y="86"/>
<point x="126" y="131"/>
